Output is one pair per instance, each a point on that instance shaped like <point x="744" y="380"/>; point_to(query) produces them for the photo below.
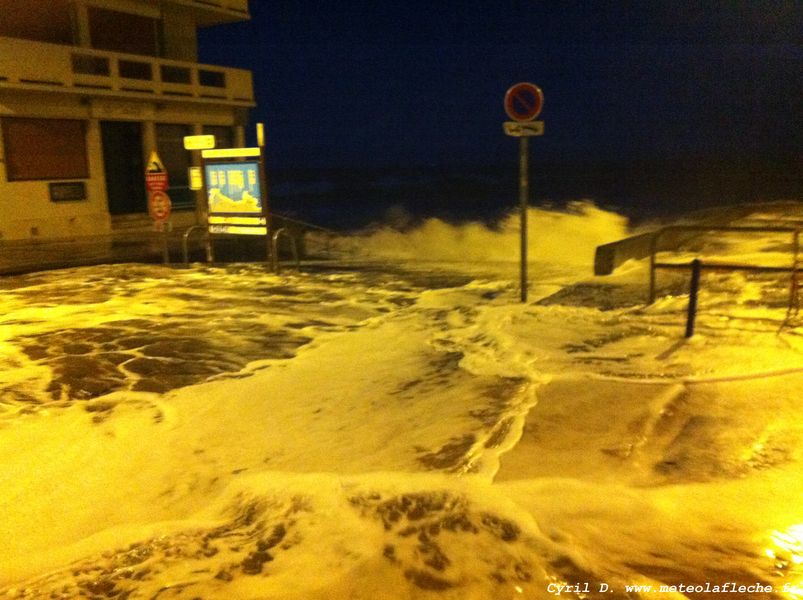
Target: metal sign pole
<point x="523" y="103"/>
<point x="524" y="192"/>
<point x="209" y="247"/>
<point x="263" y="181"/>
<point x="165" y="244"/>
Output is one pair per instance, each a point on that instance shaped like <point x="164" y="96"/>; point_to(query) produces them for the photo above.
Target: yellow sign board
<point x="524" y="129"/>
<point x="199" y="142"/>
<point x="196" y="178"/>
<point x="231" y="153"/>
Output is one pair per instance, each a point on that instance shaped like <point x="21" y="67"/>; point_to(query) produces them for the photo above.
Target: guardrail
<point x="793" y="269"/>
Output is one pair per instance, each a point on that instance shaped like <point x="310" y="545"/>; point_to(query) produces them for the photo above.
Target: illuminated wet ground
<point x="409" y="430"/>
<point x="186" y="326"/>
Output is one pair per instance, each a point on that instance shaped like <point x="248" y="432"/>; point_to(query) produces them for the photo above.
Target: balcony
<point x="26" y="65"/>
<point x="214" y="12"/>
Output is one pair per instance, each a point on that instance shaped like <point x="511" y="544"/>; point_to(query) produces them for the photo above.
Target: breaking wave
<point x="567" y="236"/>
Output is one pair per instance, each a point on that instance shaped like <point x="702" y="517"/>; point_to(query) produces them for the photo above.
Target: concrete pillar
<point x="239" y="136"/>
<point x="81" y="24"/>
<point x="200" y="201"/>
<point x="148" y="140"/>
<point x="96" y="186"/>
<point x="2" y="157"/>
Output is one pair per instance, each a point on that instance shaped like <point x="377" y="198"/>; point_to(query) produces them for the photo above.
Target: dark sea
<point x="355" y="198"/>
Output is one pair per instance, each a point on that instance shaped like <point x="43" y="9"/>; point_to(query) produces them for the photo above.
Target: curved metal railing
<point x="275" y="248"/>
<point x="185" y="243"/>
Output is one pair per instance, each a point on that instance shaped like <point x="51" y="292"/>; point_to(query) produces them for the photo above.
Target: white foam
<point x="697" y="480"/>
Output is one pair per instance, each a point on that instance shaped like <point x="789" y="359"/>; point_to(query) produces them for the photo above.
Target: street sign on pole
<point x="523" y="102"/>
<point x="159" y="206"/>
<point x="524" y="129"/>
<point x="156" y="179"/>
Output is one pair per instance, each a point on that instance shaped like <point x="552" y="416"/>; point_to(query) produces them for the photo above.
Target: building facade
<point x="88" y="90"/>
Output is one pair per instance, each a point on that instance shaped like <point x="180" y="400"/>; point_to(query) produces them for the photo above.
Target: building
<point x="88" y="89"/>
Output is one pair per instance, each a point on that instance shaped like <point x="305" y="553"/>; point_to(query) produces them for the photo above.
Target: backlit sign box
<point x="199" y="142"/>
<point x="234" y="197"/>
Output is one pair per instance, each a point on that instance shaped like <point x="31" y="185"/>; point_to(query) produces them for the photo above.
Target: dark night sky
<point x="421" y="83"/>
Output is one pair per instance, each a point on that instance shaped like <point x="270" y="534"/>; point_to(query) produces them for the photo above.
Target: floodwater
<point x="396" y="429"/>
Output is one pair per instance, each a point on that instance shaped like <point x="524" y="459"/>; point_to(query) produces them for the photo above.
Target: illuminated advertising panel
<point x="234" y="196"/>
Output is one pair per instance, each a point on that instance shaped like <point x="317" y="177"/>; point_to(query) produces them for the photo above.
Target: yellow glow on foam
<point x="788" y="557"/>
<point x="791" y="541"/>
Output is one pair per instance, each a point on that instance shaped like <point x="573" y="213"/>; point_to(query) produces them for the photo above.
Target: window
<point x="44" y="149"/>
<point x="40" y="20"/>
<point x="123" y="32"/>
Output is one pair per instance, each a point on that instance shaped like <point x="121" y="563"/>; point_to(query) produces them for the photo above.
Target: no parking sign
<point x="523" y="102"/>
<point x="159" y="206"/>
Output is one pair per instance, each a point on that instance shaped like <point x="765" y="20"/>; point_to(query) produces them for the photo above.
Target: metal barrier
<point x="793" y="268"/>
<point x="185" y="242"/>
<point x="330" y="233"/>
<point x="275" y="248"/>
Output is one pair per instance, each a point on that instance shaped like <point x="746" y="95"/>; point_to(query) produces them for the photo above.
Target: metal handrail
<point x="275" y="248"/>
<point x="329" y="233"/>
<point x="305" y="224"/>
<point x="185" y="242"/>
<point x="795" y="231"/>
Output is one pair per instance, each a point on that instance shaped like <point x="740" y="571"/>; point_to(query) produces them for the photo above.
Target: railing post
<point x="210" y="249"/>
<point x="274" y="249"/>
<point x="653" y="250"/>
<point x="165" y="245"/>
<point x="794" y="281"/>
<point x="696" y="265"/>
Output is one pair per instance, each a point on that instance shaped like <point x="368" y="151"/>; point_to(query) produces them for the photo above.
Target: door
<point x="124" y="168"/>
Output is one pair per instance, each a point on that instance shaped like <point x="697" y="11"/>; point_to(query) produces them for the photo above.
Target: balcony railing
<point x="234" y="7"/>
<point x="35" y="65"/>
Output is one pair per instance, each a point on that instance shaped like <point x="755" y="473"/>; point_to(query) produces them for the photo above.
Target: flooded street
<point x="403" y="432"/>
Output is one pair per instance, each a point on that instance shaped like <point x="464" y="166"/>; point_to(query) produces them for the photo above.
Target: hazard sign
<point x="155" y="174"/>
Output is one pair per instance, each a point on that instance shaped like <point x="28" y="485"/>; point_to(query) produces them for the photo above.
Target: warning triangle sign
<point x="155" y="164"/>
